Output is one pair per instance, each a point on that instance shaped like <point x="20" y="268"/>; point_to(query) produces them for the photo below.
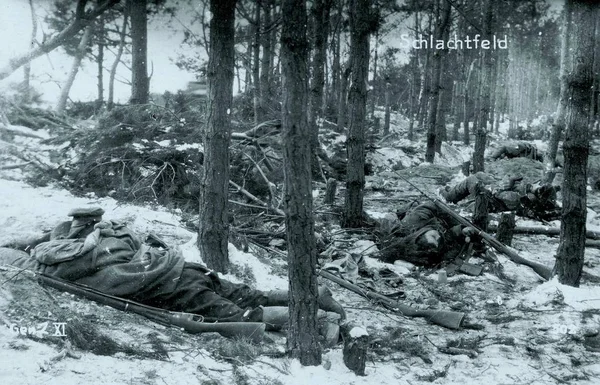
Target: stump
<point x="506" y="227"/>
<point x="330" y="191"/>
<point x="466" y="167"/>
<point x="481" y="210"/>
<point x="356" y="345"/>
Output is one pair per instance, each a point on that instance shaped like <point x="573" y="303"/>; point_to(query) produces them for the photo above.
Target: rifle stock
<point x="448" y="319"/>
<point x="191" y="323"/>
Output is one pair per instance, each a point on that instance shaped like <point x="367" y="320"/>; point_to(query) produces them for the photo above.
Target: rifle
<point x="543" y="271"/>
<point x="448" y="319"/>
<point x="191" y="323"/>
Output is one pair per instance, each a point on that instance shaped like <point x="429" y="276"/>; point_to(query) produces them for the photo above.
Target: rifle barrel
<point x="253" y="330"/>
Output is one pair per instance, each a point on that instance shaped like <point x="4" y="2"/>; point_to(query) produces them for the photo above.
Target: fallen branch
<point x="25" y="156"/>
<point x="253" y="198"/>
<point x="21" y="132"/>
<point x="13" y="166"/>
<point x="458" y="351"/>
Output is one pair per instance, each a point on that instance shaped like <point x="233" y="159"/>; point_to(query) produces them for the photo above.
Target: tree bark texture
<point x="213" y="229"/>
<point x="321" y="11"/>
<point x="360" y="28"/>
<point x="559" y="122"/>
<point x="486" y="69"/>
<point x="140" y="84"/>
<point x="82" y="19"/>
<point x="434" y="98"/>
<point x="506" y="227"/>
<point x="578" y="87"/>
<point x="343" y="98"/>
<point x="256" y="91"/>
<point x="302" y="342"/>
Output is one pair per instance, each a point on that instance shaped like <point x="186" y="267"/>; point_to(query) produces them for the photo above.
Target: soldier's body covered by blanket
<point x="111" y="258"/>
<point x="424" y="235"/>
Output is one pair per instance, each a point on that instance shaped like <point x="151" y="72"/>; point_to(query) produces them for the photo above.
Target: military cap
<point x="82" y="212"/>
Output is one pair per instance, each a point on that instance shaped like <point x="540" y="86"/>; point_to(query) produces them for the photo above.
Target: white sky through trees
<point x="50" y="71"/>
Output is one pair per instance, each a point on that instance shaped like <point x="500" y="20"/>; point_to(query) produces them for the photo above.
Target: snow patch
<point x="357" y="332"/>
<point x="579" y="298"/>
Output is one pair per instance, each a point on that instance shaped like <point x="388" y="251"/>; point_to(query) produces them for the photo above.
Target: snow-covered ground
<point x="529" y="331"/>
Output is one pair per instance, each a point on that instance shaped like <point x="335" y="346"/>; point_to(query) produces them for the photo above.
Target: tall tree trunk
<point x="213" y="226"/>
<point x="360" y="24"/>
<point x="99" y="32"/>
<point x="79" y="54"/>
<point x="565" y="68"/>
<point x="321" y="21"/>
<point x="417" y="79"/>
<point x="140" y="84"/>
<point x="425" y="83"/>
<point x="267" y="58"/>
<point x="579" y="82"/>
<point x="386" y="119"/>
<point x="113" y="68"/>
<point x="27" y="68"/>
<point x="302" y="340"/>
<point x="373" y="94"/>
<point x="343" y="98"/>
<point x="336" y="66"/>
<point x="258" y="112"/>
<point x="486" y="69"/>
<point x="440" y="31"/>
<point x="82" y="19"/>
<point x="466" y="101"/>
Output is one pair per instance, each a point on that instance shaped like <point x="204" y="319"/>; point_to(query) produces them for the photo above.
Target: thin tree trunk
<point x="442" y="25"/>
<point x="27" y="68"/>
<point x="357" y="99"/>
<point x="466" y="101"/>
<point x="372" y="92"/>
<point x="79" y="54"/>
<point x="565" y="68"/>
<point x="386" y="119"/>
<point x="486" y="68"/>
<point x="302" y="340"/>
<point x="321" y="21"/>
<point x="258" y="113"/>
<point x="213" y="226"/>
<point x="416" y="108"/>
<point x="343" y="98"/>
<point x="579" y="82"/>
<point x="113" y="68"/>
<point x="99" y="32"/>
<point x="266" y="60"/>
<point x="140" y="84"/>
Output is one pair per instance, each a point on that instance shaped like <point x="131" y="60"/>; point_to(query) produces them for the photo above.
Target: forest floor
<point x="530" y="331"/>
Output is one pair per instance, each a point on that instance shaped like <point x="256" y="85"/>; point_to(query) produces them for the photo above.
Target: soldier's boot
<point x="325" y="300"/>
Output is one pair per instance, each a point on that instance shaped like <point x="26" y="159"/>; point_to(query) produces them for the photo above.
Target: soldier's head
<point x="81" y="225"/>
<point x="429" y="240"/>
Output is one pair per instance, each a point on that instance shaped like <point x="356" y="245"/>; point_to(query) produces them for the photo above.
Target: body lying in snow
<point x="424" y="235"/>
<point x="111" y="258"/>
<point x="535" y="202"/>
